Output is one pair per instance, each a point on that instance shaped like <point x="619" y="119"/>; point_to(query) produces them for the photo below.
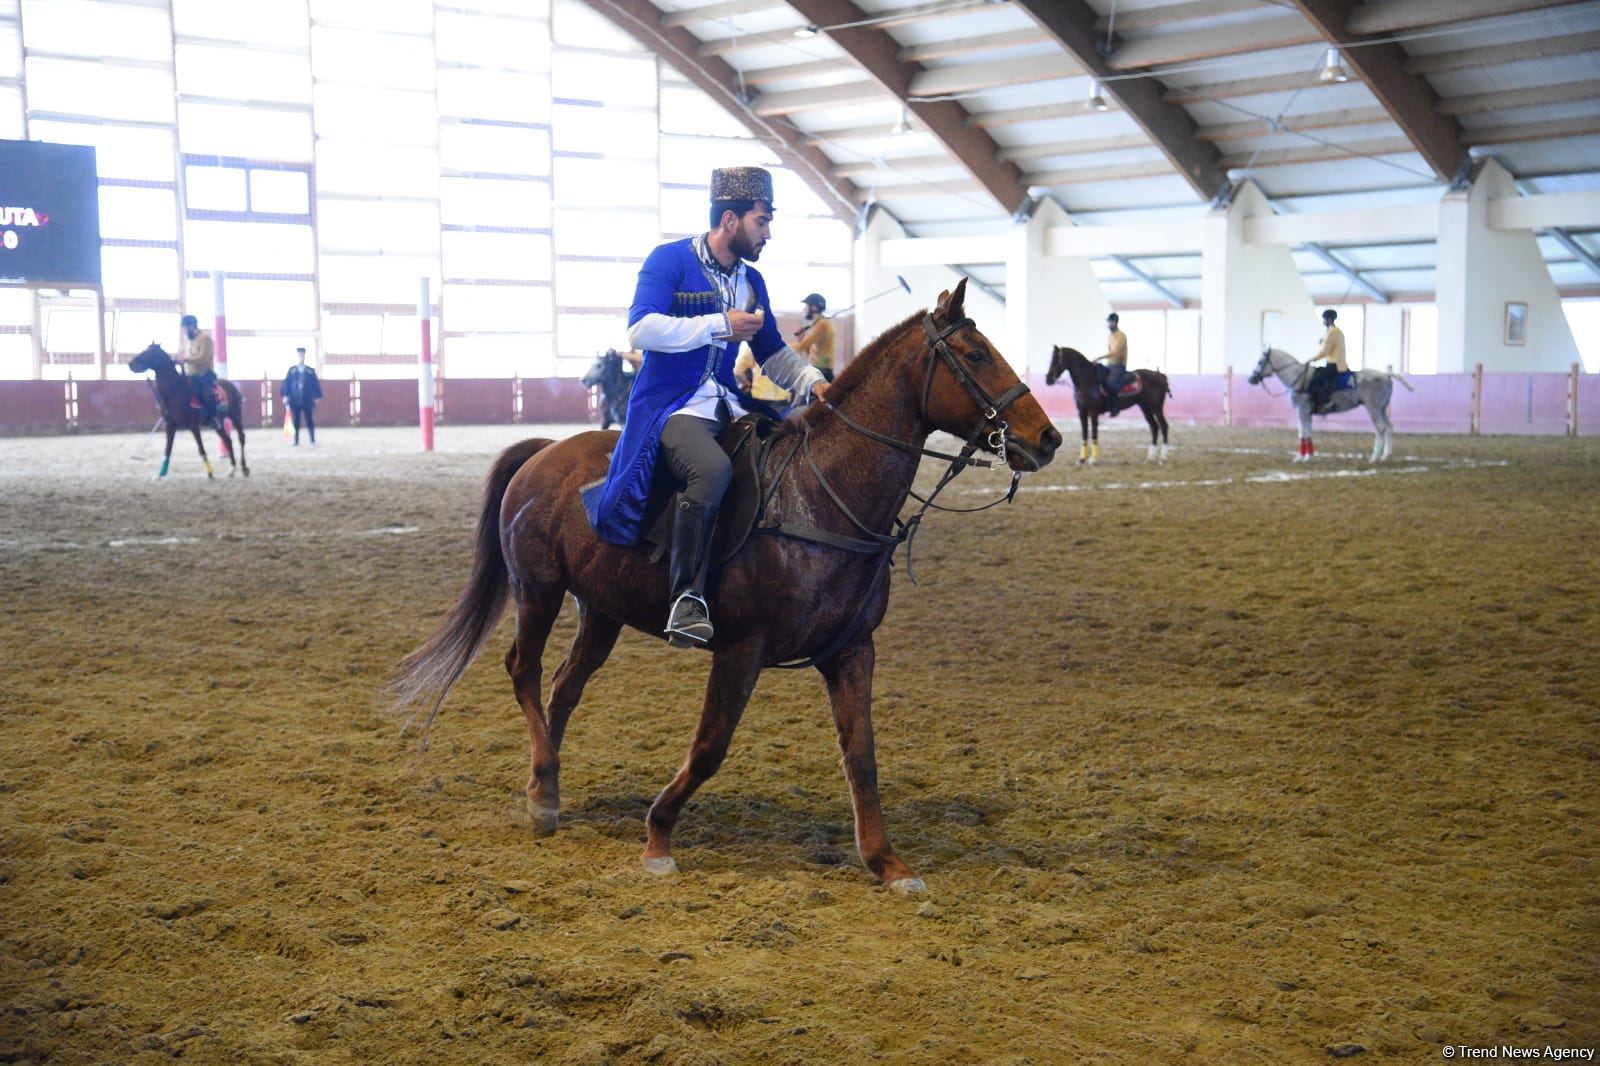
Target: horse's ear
<point x="941" y="306"/>
<point x="955" y="311"/>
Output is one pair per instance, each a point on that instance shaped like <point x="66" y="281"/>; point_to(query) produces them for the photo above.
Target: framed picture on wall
<point x="1271" y="323"/>
<point x="1516" y="323"/>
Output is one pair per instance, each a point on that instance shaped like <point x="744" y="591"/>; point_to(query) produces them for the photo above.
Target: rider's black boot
<point x="689" y="621"/>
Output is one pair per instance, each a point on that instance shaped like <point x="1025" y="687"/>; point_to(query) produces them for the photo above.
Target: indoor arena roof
<point x="951" y="113"/>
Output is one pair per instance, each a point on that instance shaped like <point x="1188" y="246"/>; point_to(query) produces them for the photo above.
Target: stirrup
<point x="693" y="632"/>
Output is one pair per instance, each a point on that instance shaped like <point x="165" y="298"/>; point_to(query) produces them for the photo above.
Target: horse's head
<point x="596" y="374"/>
<point x="1061" y="360"/>
<point x="150" y="359"/>
<point x="1263" y="365"/>
<point x="976" y="394"/>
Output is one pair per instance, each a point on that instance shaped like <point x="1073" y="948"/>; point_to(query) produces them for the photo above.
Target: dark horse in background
<point x="1148" y="389"/>
<point x="179" y="409"/>
<point x="776" y="599"/>
<point x="616" y="385"/>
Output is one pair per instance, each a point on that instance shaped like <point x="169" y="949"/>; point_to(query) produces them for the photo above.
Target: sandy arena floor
<point x="1221" y="759"/>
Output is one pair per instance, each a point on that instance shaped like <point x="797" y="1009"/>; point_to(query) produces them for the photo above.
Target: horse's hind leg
<point x="1083" y="425"/>
<point x="849" y="678"/>
<point x="201" y="444"/>
<point x="244" y="467"/>
<point x="1161" y="418"/>
<point x="1155" y="431"/>
<point x="733" y="677"/>
<point x="535" y="615"/>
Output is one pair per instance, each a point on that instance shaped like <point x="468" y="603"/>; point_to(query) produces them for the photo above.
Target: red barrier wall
<point x="391" y="402"/>
<point x="108" y="405"/>
<point x="1440" y="403"/>
<point x="554" y="400"/>
<point x="334" y="407"/>
<point x="33" y="406"/>
<point x="476" y="401"/>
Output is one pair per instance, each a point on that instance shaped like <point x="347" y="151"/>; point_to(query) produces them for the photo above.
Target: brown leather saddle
<point x="746" y="441"/>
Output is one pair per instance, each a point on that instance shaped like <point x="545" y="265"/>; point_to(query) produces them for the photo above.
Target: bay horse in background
<point x="610" y="374"/>
<point x="815" y="587"/>
<point x="179" y="409"/>
<point x="1147" y="389"/>
<point x="1371" y="389"/>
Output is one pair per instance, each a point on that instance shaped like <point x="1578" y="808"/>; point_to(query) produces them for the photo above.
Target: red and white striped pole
<point x="219" y="334"/>
<point x="425" y="368"/>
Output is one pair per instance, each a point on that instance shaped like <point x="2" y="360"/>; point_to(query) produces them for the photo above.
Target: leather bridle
<point x="991" y="429"/>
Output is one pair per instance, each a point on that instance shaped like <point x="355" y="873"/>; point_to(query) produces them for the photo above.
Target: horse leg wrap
<point x="1083" y="451"/>
<point x="1094" y="452"/>
<point x="164" y="464"/>
<point x="208" y="466"/>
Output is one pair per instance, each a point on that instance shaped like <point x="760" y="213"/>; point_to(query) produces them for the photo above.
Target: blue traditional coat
<point x="672" y="282"/>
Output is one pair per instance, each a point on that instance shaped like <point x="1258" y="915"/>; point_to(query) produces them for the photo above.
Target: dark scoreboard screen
<point x="49" y="213"/>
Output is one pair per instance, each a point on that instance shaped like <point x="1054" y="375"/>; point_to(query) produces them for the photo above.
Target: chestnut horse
<point x="1089" y="393"/>
<point x="178" y="411"/>
<point x="802" y="593"/>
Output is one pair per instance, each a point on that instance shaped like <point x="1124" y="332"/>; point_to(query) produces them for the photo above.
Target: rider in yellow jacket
<point x="1332" y="351"/>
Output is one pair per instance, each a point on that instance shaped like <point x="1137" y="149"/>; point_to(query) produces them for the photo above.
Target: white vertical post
<point x="425" y="367"/>
<point x="220" y="334"/>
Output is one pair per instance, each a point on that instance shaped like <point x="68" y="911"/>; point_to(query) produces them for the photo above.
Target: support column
<point x="1050" y="300"/>
<point x="219" y="334"/>
<point x="1481" y="271"/>
<point x="425" y="367"/>
<point x="873" y="316"/>
<point x="1240" y="282"/>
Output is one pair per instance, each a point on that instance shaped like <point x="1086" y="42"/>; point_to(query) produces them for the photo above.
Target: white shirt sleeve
<point x="664" y="333"/>
<point x="789" y="371"/>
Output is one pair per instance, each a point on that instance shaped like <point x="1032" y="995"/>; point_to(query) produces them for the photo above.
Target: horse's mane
<point x="860" y="367"/>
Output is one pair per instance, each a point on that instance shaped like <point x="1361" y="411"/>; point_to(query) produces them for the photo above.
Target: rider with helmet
<point x="1325" y="377"/>
<point x="1116" y="361"/>
<point x="198" y="364"/>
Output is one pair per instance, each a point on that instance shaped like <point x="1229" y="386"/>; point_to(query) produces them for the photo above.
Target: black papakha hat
<point x="816" y="301"/>
<point x="741" y="183"/>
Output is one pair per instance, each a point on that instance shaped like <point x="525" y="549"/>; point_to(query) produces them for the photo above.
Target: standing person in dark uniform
<point x="696" y="300"/>
<point x="301" y="391"/>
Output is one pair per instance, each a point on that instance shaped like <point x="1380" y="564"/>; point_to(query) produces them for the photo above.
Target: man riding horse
<point x="198" y="364"/>
<point x="1325" y="378"/>
<point x="696" y="300"/>
<point x="1116" y="361"/>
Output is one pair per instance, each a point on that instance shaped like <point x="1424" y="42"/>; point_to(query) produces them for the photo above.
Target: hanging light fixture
<point x="902" y="125"/>
<point x="806" y="31"/>
<point x="1332" y="71"/>
<point x="1097" y="99"/>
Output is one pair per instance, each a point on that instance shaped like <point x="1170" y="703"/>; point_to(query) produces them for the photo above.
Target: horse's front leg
<point x="1094" y="436"/>
<point x="849" y="678"/>
<point x="1083" y="426"/>
<point x="733" y="677"/>
<point x="166" y="459"/>
<point x="1302" y="409"/>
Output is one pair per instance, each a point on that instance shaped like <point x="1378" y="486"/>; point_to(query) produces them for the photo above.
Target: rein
<point x="904" y="530"/>
<point x="1272" y="365"/>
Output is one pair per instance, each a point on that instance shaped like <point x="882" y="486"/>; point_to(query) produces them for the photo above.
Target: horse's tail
<point x="1402" y="381"/>
<point x="433" y="669"/>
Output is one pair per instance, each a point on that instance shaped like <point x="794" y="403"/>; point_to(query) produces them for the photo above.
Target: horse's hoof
<point x="908" y="886"/>
<point x="543" y="819"/>
<point x="660" y="865"/>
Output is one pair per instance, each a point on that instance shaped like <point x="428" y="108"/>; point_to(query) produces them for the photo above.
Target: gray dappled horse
<point x="1373" y="390"/>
